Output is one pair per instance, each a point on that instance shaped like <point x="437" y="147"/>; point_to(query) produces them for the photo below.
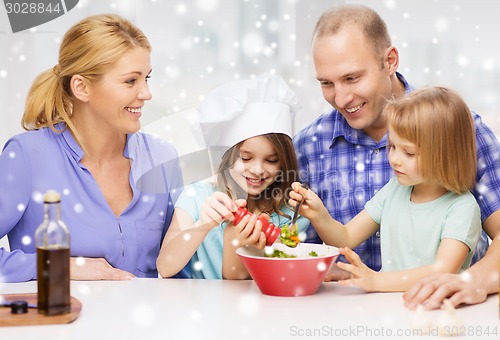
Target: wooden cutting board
<point x="32" y="317"/>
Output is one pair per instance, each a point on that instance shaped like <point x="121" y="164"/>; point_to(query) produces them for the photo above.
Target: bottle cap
<point x="19" y="307"/>
<point x="52" y="196"/>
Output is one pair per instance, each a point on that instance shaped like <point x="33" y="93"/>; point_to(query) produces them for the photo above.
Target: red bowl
<point x="297" y="276"/>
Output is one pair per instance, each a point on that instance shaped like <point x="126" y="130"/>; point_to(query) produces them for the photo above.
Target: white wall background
<point x="199" y="44"/>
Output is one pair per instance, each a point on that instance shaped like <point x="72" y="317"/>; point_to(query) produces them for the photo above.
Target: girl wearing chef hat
<point x="249" y="123"/>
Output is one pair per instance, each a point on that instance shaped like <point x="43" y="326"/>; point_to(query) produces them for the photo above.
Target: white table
<point x="206" y="309"/>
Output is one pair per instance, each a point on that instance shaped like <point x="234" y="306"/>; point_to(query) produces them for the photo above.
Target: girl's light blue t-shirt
<point x="410" y="233"/>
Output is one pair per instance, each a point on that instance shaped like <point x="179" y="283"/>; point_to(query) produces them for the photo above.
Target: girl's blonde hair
<point x="88" y="49"/>
<point x="277" y="192"/>
<point x="439" y="123"/>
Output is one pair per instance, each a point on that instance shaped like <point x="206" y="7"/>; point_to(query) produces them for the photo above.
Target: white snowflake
<point x="143" y="314"/>
<point x="462" y="60"/>
<point x="253" y="44"/>
<point x="441" y="24"/>
<point x="299" y="291"/>
<point x="465" y="276"/>
<point x="191" y="192"/>
<point x="37" y="196"/>
<point x="198" y="265"/>
<point x="481" y="188"/>
<point x="26" y="240"/>
<point x="268" y="250"/>
<point x="207" y="5"/>
<point x="302" y="236"/>
<point x="181" y="9"/>
<point x="78" y="208"/>
<point x="488" y="64"/>
<point x="321" y="266"/>
<point x="249" y="304"/>
<point x="80" y="261"/>
<point x="196" y="315"/>
<point x="391" y="4"/>
<point x="84" y="290"/>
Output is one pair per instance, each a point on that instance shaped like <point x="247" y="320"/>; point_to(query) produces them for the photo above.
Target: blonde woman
<point x="429" y="221"/>
<point x="83" y="117"/>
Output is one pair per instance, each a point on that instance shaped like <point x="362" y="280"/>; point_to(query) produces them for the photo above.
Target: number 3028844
<point x="33" y="7"/>
<point x="475" y="331"/>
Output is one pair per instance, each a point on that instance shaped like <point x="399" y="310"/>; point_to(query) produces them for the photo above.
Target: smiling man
<point x="343" y="154"/>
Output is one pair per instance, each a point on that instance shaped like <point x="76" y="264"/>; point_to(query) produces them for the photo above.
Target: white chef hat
<point x="242" y="109"/>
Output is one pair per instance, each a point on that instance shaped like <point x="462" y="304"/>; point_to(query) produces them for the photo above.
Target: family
<point x="405" y="182"/>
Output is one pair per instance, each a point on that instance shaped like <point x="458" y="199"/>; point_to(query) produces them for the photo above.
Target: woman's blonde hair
<point x="88" y="49"/>
<point x="277" y="192"/>
<point x="439" y="123"/>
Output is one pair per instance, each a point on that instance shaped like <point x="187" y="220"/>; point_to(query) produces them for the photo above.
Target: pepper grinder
<point x="270" y="230"/>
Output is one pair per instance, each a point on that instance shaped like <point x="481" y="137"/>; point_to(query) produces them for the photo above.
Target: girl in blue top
<point x="429" y="221"/>
<point x="250" y="122"/>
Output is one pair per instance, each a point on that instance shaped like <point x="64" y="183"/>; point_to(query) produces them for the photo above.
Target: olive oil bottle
<point x="52" y="248"/>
